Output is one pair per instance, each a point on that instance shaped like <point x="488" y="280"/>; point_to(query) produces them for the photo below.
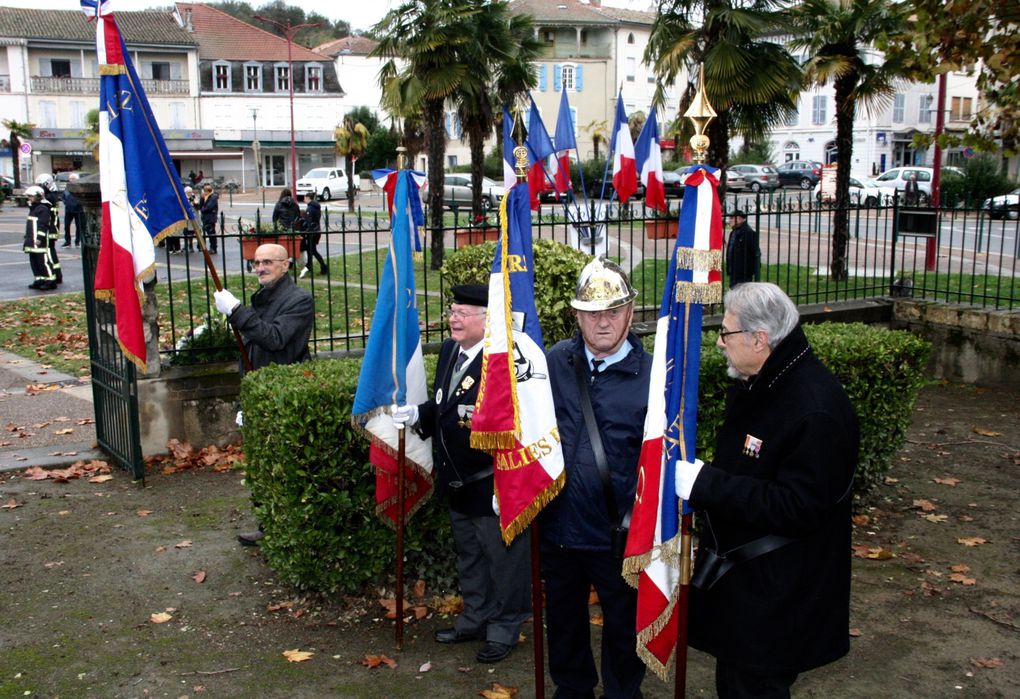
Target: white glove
<point x="239" y="418"/>
<point x="226" y="302"/>
<point x="495" y="504"/>
<point x="686" y="474"/>
<point x="404" y="415"/>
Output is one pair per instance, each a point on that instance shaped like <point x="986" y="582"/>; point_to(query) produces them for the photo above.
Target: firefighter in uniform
<point x="52" y="196"/>
<point x="37" y="241"/>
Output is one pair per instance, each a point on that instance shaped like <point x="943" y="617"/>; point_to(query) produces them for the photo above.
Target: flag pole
<point x="700" y="113"/>
<point x="401" y="464"/>
<point x="537" y="633"/>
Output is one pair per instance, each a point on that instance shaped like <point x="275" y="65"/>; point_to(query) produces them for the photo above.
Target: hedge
<point x="309" y="474"/>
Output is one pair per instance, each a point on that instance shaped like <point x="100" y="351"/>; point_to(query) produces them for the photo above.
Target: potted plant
<point x="252" y="237"/>
<point x="480" y="230"/>
<point x="662" y="225"/>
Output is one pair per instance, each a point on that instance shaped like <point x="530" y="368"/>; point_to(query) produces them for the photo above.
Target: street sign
<point x="25" y="148"/>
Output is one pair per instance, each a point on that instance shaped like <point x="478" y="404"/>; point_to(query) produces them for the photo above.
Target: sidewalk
<point x="47" y="416"/>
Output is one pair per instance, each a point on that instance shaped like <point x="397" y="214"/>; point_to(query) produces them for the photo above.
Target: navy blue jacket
<point x="210" y="209"/>
<point x="577" y="518"/>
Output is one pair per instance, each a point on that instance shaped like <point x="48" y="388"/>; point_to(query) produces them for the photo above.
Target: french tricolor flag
<point x="509" y="165"/>
<point x="565" y="141"/>
<point x="652" y="560"/>
<point x="649" y="163"/>
<point x="624" y="163"/>
<point x="142" y="197"/>
<point x="540" y="147"/>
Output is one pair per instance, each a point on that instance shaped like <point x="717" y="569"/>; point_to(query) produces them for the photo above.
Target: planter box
<point x="291" y="242"/>
<point x="661" y="228"/>
<point x="474" y="236"/>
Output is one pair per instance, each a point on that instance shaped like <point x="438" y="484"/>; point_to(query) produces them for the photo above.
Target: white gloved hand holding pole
<point x="404" y="415"/>
<point x="495" y="504"/>
<point x="226" y="302"/>
<point x="686" y="474"/>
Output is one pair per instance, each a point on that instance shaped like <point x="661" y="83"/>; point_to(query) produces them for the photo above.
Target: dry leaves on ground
<point x="159" y="617"/>
<point x="181" y="456"/>
<point x="79" y="469"/>
<point x="374" y="661"/>
<point x="946" y="480"/>
<point x="297" y="656"/>
<point x="936" y="519"/>
<point x="985" y="432"/>
<point x="874" y="553"/>
<point x="971" y="541"/>
<point x="924" y="505"/>
<point x="199" y="576"/>
<point x="962" y="579"/>
<point x="11" y="504"/>
<point x="987" y="663"/>
<point x="498" y="691"/>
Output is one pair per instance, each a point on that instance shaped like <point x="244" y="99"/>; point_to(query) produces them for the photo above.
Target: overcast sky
<point x="361" y="14"/>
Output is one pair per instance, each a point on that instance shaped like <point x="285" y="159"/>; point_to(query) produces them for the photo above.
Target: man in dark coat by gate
<point x="742" y="253"/>
<point x="770" y="596"/>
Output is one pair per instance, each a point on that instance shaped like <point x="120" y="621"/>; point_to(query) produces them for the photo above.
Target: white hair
<point x="763" y="306"/>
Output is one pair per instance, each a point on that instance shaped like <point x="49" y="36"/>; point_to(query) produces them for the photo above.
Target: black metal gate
<point x="114" y="389"/>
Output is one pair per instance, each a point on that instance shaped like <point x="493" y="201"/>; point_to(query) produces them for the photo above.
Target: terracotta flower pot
<point x="661" y="228"/>
<point x="291" y="242"/>
<point x="474" y="236"/>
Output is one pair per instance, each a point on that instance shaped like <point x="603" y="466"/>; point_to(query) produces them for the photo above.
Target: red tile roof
<point x="223" y="37"/>
<point x="354" y="45"/>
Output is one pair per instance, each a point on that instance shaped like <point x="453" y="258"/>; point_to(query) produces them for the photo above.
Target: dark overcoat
<point x="784" y="462"/>
<point x="742" y="255"/>
<point x="277" y="324"/>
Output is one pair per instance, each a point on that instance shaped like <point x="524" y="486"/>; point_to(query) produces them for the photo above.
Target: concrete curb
<point x="49" y="456"/>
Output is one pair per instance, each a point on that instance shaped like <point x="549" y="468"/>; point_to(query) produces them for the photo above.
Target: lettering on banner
<point x="513" y="459"/>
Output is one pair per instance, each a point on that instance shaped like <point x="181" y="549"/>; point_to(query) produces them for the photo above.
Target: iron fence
<point x="960" y="255"/>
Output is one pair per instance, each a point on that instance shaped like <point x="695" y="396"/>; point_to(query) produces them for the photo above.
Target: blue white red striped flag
<point x="393" y="371"/>
<point x="540" y="147"/>
<point x="142" y="197"/>
<point x="649" y="163"/>
<point x="514" y="416"/>
<point x="564" y="141"/>
<point x="652" y="557"/>
<point x="624" y="163"/>
<point x="509" y="164"/>
<point x="386" y="180"/>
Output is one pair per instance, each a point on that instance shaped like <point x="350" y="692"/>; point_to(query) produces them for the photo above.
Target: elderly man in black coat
<point x="494" y="578"/>
<point x="771" y="587"/>
<point x="742" y="253"/>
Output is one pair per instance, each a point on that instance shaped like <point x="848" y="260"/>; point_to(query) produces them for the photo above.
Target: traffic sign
<point x="25" y="148"/>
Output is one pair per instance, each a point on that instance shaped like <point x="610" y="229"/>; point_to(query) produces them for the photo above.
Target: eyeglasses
<point x="266" y="262"/>
<point x="724" y="333"/>
<point x="454" y="313"/>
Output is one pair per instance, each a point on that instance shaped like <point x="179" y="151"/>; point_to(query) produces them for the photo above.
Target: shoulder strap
<point x="594" y="437"/>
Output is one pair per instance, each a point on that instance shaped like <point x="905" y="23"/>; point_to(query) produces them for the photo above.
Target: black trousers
<point x="209" y="233"/>
<point x="569" y="575"/>
<point x="736" y="683"/>
<point x="76" y="220"/>
<point x="309" y="241"/>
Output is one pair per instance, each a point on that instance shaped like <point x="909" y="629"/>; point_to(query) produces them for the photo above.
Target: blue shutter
<point x="542" y="78"/>
<point x="557" y="77"/>
<point x="578" y="78"/>
<point x="449" y="132"/>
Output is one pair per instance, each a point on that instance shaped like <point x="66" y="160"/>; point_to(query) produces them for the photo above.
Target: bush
<point x="557" y="267"/>
<point x="212" y="342"/>
<point x="983" y="178"/>
<point x="315" y="490"/>
<point x="881" y="370"/>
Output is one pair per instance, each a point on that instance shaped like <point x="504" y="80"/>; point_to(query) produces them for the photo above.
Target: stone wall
<point x="969" y="343"/>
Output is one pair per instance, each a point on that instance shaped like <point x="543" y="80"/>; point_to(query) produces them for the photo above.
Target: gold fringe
<point x="169" y="230"/>
<point x="137" y="361"/>
<point x="491" y="441"/>
<point x="104" y="295"/>
<point x="417" y="256"/>
<point x="645" y="636"/>
<point x="699" y="260"/>
<point x="697" y="292"/>
<point x="112" y="69"/>
<point x="525" y="518"/>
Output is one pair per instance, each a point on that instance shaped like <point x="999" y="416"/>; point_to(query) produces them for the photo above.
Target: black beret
<point x="738" y="212"/>
<point x="471" y="294"/>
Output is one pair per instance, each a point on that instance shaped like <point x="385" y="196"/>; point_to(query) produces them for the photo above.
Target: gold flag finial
<point x="401" y="158"/>
<point x="700" y="114"/>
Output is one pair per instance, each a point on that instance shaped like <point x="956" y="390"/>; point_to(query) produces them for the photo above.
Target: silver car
<point x="457" y="191"/>
<point x="758" y="177"/>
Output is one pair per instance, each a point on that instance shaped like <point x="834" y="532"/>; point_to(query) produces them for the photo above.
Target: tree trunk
<point x="845" y="108"/>
<point x="435" y="136"/>
<point x="15" y="153"/>
<point x="349" y="169"/>
<point x="476" y="140"/>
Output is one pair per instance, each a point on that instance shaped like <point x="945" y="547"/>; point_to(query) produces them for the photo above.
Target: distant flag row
<point x="632" y="161"/>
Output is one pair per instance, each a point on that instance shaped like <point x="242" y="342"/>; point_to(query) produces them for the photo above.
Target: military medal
<point x="439" y="396"/>
<point x="467" y="383"/>
<point x="752" y="446"/>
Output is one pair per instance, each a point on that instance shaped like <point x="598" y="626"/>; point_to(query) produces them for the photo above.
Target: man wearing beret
<point x="742" y="253"/>
<point x="494" y="578"/>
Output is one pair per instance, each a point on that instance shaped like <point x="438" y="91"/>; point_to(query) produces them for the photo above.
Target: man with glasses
<point x="770" y="595"/>
<point x="600" y="388"/>
<point x="276" y="326"/>
<point x="494" y="579"/>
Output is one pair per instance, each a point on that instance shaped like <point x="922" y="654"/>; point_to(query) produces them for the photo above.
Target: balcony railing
<point x="90" y="86"/>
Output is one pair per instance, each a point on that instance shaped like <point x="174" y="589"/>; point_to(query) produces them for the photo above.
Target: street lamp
<point x="255" y="147"/>
<point x="289" y="30"/>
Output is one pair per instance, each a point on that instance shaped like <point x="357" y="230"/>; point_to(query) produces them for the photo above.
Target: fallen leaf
<point x="64" y="513"/>
<point x="962" y="568"/>
<point x="279" y="606"/>
<point x="186" y="544"/>
<point x="878" y="553"/>
<point x="912" y="557"/>
<point x="948" y="480"/>
<point x="297" y="656"/>
<point x="53" y="564"/>
<point x="855" y="632"/>
<point x="962" y="579"/>
<point x="199" y="577"/>
<point x="987" y="663"/>
<point x="860" y="520"/>
<point x="425" y="667"/>
<point x="66" y="430"/>
<point x="972" y="541"/>
<point x="498" y="691"/>
<point x="984" y="432"/>
<point x="597" y="620"/>
<point x="101" y="479"/>
<point x="936" y="519"/>
<point x="159" y="617"/>
<point x="450" y="604"/>
<point x="464" y="669"/>
<point x="373" y="661"/>
<point x="143" y="513"/>
<point x="161" y="549"/>
<point x="924" y="505"/>
<point x="10" y="504"/>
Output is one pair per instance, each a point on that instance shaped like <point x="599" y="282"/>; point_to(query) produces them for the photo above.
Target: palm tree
<point x="351" y="141"/>
<point x="19" y="130"/>
<point x="751" y="81"/>
<point x="426" y="43"/>
<point x="837" y="35"/>
<point x="502" y="73"/>
<point x="599" y="131"/>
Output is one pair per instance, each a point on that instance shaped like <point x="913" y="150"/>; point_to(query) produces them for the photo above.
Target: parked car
<point x="673" y="183"/>
<point x="862" y="193"/>
<point x="758" y="177"/>
<point x="6" y="186"/>
<point x="735" y="181"/>
<point x="457" y="191"/>
<point x="799" y="173"/>
<point x="324" y="182"/>
<point x="1004" y="205"/>
<point x="894" y="182"/>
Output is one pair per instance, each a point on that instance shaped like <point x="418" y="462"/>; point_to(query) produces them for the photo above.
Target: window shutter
<point x="175" y="71"/>
<point x="75" y="69"/>
<point x="557" y="77"/>
<point x="543" y="77"/>
<point x="45" y="68"/>
<point x="146" y="70"/>
<point x="579" y="78"/>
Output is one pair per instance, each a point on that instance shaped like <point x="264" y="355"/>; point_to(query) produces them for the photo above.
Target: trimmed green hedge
<point x="315" y="490"/>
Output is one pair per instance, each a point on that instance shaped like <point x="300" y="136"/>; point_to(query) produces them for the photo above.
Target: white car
<point x="1004" y="205"/>
<point x="862" y="193"/>
<point x="895" y="181"/>
<point x="324" y="182"/>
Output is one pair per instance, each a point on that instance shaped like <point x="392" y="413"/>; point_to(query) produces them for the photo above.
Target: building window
<point x="60" y="68"/>
<point x="177" y="111"/>
<point x="584" y="36"/>
<point x="791" y="151"/>
<point x="451" y="161"/>
<point x="630" y="38"/>
<point x="793" y="116"/>
<point x="568" y="76"/>
<point x="453" y="127"/>
<point x="282" y="78"/>
<point x="924" y="109"/>
<point x="962" y="108"/>
<point x="252" y="77"/>
<point x="899" y="108"/>
<point x="313" y="78"/>
<point x="160" y="70"/>
<point x="631" y="69"/>
<point x="78" y="115"/>
<point x="48" y="114"/>
<point x="221" y="77"/>
<point x="818" y="109"/>
<point x="567" y="73"/>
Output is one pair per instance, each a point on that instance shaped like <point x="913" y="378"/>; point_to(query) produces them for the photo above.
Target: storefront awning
<point x="206" y="154"/>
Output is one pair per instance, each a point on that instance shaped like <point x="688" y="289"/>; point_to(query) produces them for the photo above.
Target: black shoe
<point x="455" y="636"/>
<point x="36" y="285"/>
<point x="66" y="245"/>
<point x="47" y="286"/>
<point x="250" y="538"/>
<point x="324" y="270"/>
<point x="493" y="652"/>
